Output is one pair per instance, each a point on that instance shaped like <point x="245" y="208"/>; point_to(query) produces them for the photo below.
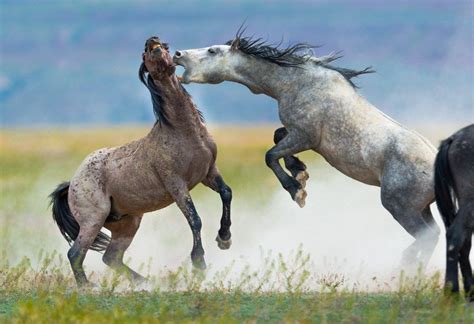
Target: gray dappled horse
<point x="322" y="111"/>
<point x="114" y="187"/>
<point x="454" y="185"/>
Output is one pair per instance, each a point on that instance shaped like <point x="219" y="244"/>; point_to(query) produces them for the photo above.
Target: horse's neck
<point x="177" y="103"/>
<point x="262" y="77"/>
<point x="281" y="81"/>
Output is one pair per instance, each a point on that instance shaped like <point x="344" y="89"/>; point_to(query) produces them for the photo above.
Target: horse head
<point x="156" y="59"/>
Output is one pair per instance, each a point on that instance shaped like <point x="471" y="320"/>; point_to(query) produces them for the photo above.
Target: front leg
<point x="292" y="163"/>
<point x="181" y="196"/>
<point x="291" y="144"/>
<point x="215" y="182"/>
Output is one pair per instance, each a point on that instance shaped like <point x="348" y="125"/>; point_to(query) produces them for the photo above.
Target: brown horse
<point x="114" y="187"/>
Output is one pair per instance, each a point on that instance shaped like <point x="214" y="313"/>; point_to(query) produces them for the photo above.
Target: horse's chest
<point x="198" y="161"/>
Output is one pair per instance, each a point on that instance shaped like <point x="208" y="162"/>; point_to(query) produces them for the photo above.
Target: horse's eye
<point x="211" y="51"/>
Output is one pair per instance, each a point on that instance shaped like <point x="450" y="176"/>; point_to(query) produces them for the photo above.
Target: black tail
<point x="67" y="224"/>
<point x="445" y="198"/>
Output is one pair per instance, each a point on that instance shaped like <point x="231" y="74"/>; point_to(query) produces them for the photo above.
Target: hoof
<point x="302" y="177"/>
<point x="199" y="263"/>
<point x="139" y="280"/>
<point x="223" y="245"/>
<point x="89" y="287"/>
<point x="300" y="197"/>
<point x="142" y="285"/>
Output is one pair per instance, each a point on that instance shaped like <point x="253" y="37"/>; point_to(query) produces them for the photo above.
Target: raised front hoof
<point x="199" y="263"/>
<point x="222" y="244"/>
<point x="300" y="197"/>
<point x="302" y="177"/>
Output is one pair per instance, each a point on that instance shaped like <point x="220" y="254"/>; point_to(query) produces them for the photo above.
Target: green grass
<point x="48" y="294"/>
<point x="36" y="284"/>
<point x="237" y="307"/>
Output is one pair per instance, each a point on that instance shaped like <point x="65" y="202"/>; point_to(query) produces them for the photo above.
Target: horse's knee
<point x="111" y="259"/>
<point x="72" y="254"/>
<point x="271" y="157"/>
<point x="436" y="230"/>
<point x="279" y="134"/>
<point x="454" y="241"/>
<point x="226" y="194"/>
<point x="75" y="256"/>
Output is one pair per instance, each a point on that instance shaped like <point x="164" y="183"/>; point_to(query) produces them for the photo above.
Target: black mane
<point x="348" y="74"/>
<point x="290" y="56"/>
<point x="258" y="47"/>
<point x="156" y="97"/>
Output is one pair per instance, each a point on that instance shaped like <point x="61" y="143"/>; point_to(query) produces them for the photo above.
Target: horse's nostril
<point x="178" y="54"/>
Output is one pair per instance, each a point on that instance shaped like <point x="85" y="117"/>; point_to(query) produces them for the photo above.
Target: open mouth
<point x="156" y="45"/>
<point x="185" y="76"/>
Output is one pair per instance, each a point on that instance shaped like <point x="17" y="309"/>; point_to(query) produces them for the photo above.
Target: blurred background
<point x="69" y="85"/>
<point x="76" y="62"/>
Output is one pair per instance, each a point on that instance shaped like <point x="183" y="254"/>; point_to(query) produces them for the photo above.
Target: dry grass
<point x="39" y="288"/>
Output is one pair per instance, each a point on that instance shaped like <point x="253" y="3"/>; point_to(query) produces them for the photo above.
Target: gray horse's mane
<point x="291" y="56"/>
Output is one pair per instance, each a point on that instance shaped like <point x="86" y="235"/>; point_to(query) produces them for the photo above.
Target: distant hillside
<point x="67" y="62"/>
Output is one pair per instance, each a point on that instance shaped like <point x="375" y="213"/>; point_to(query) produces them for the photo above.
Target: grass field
<point x="36" y="284"/>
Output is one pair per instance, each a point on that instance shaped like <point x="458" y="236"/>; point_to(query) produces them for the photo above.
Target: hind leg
<point x="413" y="221"/>
<point x="420" y="251"/>
<point x="466" y="269"/>
<point x="429" y="219"/>
<point x="458" y="245"/>
<point x="90" y="207"/>
<point x="78" y="251"/>
<point x="296" y="167"/>
<point x="123" y="232"/>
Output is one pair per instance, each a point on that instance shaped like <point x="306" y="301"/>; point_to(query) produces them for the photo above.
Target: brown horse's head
<point x="156" y="58"/>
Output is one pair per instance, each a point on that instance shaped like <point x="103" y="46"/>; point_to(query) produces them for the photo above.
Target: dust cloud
<point x="343" y="227"/>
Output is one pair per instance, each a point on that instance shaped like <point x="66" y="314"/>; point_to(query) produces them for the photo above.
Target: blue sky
<point x="75" y="62"/>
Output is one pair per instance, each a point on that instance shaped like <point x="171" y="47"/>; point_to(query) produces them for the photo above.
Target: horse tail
<point x="68" y="226"/>
<point x="444" y="192"/>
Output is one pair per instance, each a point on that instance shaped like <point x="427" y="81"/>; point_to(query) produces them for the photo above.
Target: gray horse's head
<point x="218" y="63"/>
<point x="213" y="64"/>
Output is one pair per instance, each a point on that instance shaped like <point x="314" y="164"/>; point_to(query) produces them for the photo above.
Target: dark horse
<point x="114" y="187"/>
<point x="454" y="185"/>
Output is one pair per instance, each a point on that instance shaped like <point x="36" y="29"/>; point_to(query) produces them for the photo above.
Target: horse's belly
<point x="138" y="196"/>
<point x="355" y="166"/>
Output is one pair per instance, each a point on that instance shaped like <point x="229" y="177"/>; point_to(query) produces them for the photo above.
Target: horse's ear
<point x="235" y="44"/>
